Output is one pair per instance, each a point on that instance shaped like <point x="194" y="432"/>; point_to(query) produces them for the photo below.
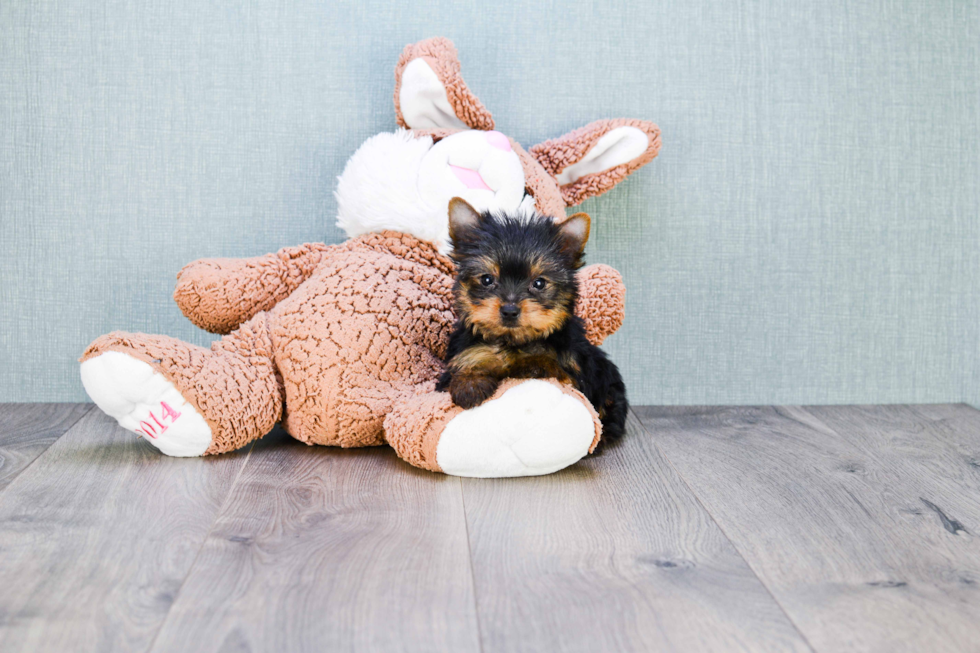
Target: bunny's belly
<point x="352" y="341"/>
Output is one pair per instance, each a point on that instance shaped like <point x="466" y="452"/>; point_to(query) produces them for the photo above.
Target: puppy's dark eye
<point x="487" y="279"/>
<point x="539" y="284"/>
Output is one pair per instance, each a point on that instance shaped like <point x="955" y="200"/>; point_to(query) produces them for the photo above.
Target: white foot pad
<point x="532" y="429"/>
<point x="143" y="401"/>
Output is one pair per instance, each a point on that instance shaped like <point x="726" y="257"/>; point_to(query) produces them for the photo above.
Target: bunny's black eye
<point x="487" y="279"/>
<point x="539" y="284"/>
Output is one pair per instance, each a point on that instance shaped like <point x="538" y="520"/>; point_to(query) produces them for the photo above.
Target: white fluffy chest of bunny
<point x="402" y="182"/>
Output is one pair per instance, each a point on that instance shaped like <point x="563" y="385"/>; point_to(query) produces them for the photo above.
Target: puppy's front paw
<point x="470" y="391"/>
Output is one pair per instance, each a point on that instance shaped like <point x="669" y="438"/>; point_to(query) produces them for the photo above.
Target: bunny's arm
<point x="219" y="294"/>
<point x="601" y="301"/>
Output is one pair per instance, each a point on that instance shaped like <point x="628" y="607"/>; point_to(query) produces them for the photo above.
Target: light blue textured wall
<point x="809" y="233"/>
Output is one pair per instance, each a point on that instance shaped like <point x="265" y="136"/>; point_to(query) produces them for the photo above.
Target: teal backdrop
<point x="810" y="232"/>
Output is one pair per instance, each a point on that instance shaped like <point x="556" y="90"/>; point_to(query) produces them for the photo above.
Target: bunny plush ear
<point x="591" y="160"/>
<point x="431" y="94"/>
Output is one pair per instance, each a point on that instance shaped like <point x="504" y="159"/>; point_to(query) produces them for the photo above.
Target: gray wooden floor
<point x="707" y="529"/>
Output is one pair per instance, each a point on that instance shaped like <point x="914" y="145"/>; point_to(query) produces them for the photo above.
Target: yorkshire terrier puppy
<point x="515" y="295"/>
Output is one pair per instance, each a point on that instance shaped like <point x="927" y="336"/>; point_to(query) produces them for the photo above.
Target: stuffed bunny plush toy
<point x="343" y="343"/>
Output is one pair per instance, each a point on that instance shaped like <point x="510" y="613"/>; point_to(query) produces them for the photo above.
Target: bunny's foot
<point x="187" y="400"/>
<point x="528" y="428"/>
<point x="145" y="402"/>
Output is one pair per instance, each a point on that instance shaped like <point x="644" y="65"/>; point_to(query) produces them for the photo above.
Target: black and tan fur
<point x="515" y="297"/>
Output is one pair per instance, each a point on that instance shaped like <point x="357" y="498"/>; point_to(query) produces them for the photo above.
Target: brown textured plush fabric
<point x="440" y="54"/>
<point x="367" y="328"/>
<point x="359" y="334"/>
<point x="557" y="154"/>
<point x="602" y="301"/>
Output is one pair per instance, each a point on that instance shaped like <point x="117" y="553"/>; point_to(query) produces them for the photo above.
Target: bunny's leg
<point x="187" y="400"/>
<point x="528" y="428"/>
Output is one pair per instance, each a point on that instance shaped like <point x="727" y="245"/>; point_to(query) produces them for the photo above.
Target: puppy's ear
<point x="463" y="220"/>
<point x="575" y="233"/>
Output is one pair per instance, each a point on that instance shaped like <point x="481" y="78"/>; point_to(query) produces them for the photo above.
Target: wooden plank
<point x="613" y="554"/>
<point x="838" y="511"/>
<point x="957" y="427"/>
<point x="927" y="447"/>
<point x="325" y="549"/>
<point x="26" y="430"/>
<point x="97" y="536"/>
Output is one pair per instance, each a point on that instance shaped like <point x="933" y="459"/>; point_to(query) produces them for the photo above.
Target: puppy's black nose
<point x="509" y="312"/>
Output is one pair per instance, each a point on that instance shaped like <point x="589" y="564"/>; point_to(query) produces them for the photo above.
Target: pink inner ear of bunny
<point x="557" y="154"/>
<point x="440" y="54"/>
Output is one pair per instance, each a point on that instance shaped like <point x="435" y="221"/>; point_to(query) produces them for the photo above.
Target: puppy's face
<point x="516" y="278"/>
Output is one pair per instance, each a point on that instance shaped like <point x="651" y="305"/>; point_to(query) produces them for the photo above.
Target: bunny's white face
<point x="403" y="182"/>
<point x="479" y="166"/>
